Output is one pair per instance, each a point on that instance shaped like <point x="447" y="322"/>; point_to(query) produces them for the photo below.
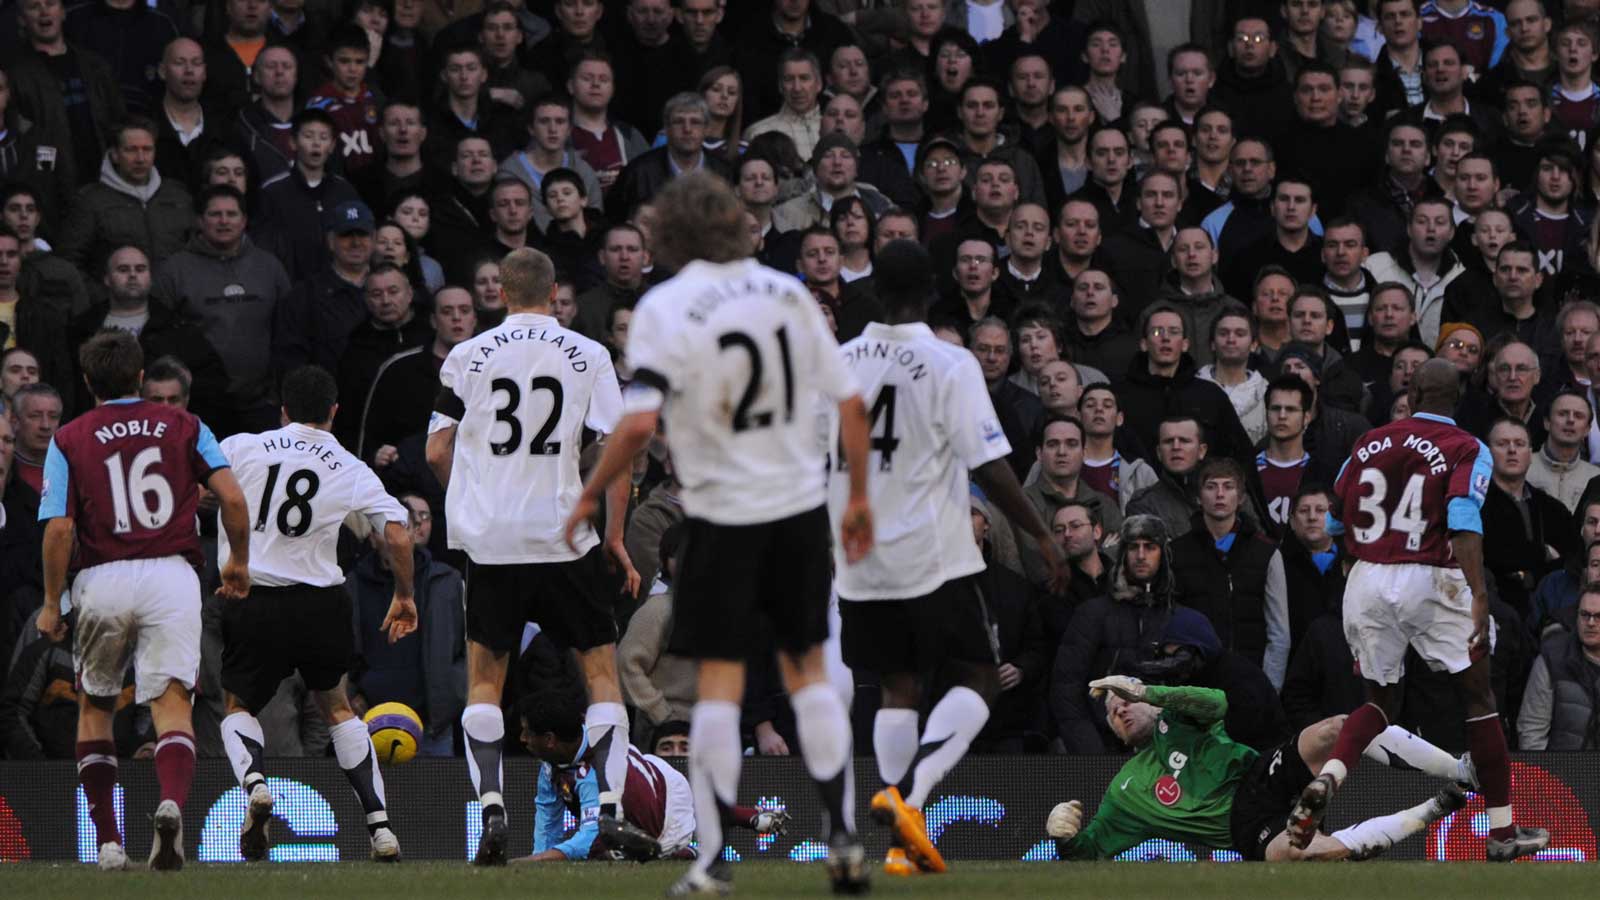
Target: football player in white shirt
<point x="301" y="485"/>
<point x="913" y="609"/>
<point x="505" y="437"/>
<point x="740" y="363"/>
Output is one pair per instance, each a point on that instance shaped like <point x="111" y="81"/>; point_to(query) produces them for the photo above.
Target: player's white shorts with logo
<point x="1389" y="607"/>
<point x="142" y="610"/>
<point x="677" y="821"/>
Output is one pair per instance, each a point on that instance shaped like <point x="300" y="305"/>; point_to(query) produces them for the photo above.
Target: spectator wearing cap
<point x="1548" y="213"/>
<point x="686" y="116"/>
<point x="295" y="203"/>
<point x="942" y="178"/>
<point x="1111" y="632"/>
<point x="1462" y="344"/>
<point x="235" y="291"/>
<point x="836" y="164"/>
<point x="315" y="321"/>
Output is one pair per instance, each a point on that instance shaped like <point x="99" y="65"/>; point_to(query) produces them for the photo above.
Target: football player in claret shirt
<point x="657" y="808"/>
<point x="1188" y="781"/>
<point x="1411" y="497"/>
<point x="347" y="98"/>
<point x="122" y="479"/>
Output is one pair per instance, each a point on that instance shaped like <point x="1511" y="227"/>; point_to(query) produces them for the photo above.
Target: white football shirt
<point x="931" y="423"/>
<point x="300" y="484"/>
<point x="738" y="358"/>
<point x="521" y="395"/>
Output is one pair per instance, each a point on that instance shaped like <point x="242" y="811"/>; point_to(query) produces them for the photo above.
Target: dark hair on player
<point x="130" y="123"/>
<point x="1055" y="419"/>
<point x="553" y="710"/>
<point x="549" y="98"/>
<point x="7" y="232"/>
<point x="1517" y="246"/>
<point x="1157" y="308"/>
<point x="1517" y="84"/>
<point x="467" y="47"/>
<point x="313" y="117"/>
<point x="1103" y="129"/>
<point x="1508" y="420"/>
<point x="111" y="362"/>
<point x="209" y="193"/>
<point x="1458" y="123"/>
<point x="800" y="55"/>
<point x="1269" y="271"/>
<point x="1098" y="386"/>
<point x="698" y="216"/>
<point x="980" y="81"/>
<point x="170" y="368"/>
<point x="1171" y="125"/>
<point x="348" y="36"/>
<point x="1104" y="26"/>
<point x="1179" y="419"/>
<point x="1221" y="466"/>
<point x="14" y="189"/>
<point x="905" y="74"/>
<point x="1294" y="384"/>
<point x="309" y="395"/>
<point x="1344" y="222"/>
<point x="1038" y="314"/>
<point x="841" y="208"/>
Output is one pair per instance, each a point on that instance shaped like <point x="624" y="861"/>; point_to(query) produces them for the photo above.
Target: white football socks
<point x="352" y="745"/>
<point x="243" y="741"/>
<point x="955" y="720"/>
<point x="714" y="762"/>
<point x="1400" y="749"/>
<point x="606" y="727"/>
<point x="894" y="742"/>
<point x="1374" y="836"/>
<point x="485" y="730"/>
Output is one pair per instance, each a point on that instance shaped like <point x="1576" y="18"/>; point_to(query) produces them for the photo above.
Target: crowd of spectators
<point x="1198" y="248"/>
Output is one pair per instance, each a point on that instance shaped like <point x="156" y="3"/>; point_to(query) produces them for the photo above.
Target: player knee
<point x="901" y="690"/>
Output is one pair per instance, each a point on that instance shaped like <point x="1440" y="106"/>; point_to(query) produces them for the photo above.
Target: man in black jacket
<point x="1228" y="570"/>
<point x="314" y="323"/>
<point x="293" y="204"/>
<point x="685" y="116"/>
<point x="1161" y="382"/>
<point x="391" y="326"/>
<point x="397" y="404"/>
<point x="1526" y="532"/>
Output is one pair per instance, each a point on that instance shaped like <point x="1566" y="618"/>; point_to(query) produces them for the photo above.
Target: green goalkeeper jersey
<point x="1179" y="787"/>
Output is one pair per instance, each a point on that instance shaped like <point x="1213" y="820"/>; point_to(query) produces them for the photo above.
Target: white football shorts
<point x="142" y="610"/>
<point x="1389" y="607"/>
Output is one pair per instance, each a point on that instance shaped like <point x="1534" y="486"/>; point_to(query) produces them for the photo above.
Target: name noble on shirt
<point x="105" y="434"/>
<point x="504" y="338"/>
<point x="1423" y="447"/>
<point x="301" y="445"/>
<point x="905" y="357"/>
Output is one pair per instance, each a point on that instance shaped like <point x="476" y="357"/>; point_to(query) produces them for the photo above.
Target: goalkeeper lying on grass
<point x="1190" y="782"/>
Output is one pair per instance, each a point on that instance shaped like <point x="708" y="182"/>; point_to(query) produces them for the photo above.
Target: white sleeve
<point x="1276" y="659"/>
<point x="975" y="431"/>
<point x="605" y="401"/>
<point x="369" y="498"/>
<point x="652" y="346"/>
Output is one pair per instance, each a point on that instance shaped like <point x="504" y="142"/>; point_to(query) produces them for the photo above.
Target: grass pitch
<point x="1159" y="881"/>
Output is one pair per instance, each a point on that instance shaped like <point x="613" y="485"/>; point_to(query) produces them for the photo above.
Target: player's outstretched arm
<point x="57" y="554"/>
<point x="440" y="452"/>
<point x="235" y="516"/>
<point x="999" y="482"/>
<point x="856" y="523"/>
<point x="618" y="493"/>
<point x="632" y="433"/>
<point x="401" y="619"/>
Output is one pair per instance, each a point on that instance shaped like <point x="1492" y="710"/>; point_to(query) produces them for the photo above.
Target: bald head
<point x="1435" y="388"/>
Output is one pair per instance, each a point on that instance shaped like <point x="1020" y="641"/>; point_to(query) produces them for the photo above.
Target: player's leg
<point x="715" y="756"/>
<point x="577" y="609"/>
<point x="352" y="746"/>
<point x="103" y="642"/>
<point x="1441" y="629"/>
<point x="953" y="637"/>
<point x="166" y="664"/>
<point x="253" y="664"/>
<point x="1371" y="837"/>
<point x="605" y="725"/>
<point x="1487" y="744"/>
<point x="97" y="774"/>
<point x="496" y="612"/>
<point x="894" y="744"/>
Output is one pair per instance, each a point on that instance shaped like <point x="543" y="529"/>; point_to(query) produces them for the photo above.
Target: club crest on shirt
<point x="1168" y="791"/>
<point x="1475" y="31"/>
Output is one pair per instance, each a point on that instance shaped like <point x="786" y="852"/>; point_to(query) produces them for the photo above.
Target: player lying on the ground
<point x="657" y="815"/>
<point x="1190" y="782"/>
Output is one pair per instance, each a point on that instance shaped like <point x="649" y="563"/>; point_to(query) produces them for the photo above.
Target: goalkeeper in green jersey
<point x="1190" y="782"/>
